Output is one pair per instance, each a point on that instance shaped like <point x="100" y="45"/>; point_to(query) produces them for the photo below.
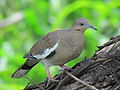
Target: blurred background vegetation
<point x="23" y="22"/>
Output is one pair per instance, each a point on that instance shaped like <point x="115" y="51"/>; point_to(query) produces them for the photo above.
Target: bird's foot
<point x="54" y="80"/>
<point x="64" y="68"/>
<point x="51" y="80"/>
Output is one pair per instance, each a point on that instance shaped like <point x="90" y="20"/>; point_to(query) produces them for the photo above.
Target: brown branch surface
<point x="101" y="71"/>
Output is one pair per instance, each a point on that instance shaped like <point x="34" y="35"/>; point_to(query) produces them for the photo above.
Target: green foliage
<point x="43" y="16"/>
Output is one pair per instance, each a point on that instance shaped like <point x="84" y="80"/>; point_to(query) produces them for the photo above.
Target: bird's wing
<point x="43" y="47"/>
<point x="40" y="50"/>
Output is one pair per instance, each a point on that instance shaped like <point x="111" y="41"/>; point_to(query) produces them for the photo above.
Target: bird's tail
<point x="24" y="69"/>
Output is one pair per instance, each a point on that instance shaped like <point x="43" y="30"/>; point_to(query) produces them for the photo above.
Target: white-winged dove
<point x="56" y="48"/>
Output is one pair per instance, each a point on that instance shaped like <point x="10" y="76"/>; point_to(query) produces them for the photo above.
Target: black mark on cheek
<point x="77" y="29"/>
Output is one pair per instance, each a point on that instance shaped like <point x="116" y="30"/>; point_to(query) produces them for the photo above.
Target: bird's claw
<point x="50" y="81"/>
<point x="65" y="68"/>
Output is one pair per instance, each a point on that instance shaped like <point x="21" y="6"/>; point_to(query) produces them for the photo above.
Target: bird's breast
<point x="68" y="48"/>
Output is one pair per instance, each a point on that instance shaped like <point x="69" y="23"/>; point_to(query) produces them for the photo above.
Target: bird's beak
<point x="90" y="26"/>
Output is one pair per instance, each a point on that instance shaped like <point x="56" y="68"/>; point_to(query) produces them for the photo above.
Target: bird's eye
<point x="81" y="24"/>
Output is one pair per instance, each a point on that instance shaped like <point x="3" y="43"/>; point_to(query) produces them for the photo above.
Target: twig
<point x="11" y="19"/>
<point x="84" y="83"/>
<point x="32" y="81"/>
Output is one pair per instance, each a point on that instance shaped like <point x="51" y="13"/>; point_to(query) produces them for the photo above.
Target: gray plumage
<point x="56" y="48"/>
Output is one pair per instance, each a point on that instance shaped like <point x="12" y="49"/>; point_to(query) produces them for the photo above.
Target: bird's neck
<point x="76" y="29"/>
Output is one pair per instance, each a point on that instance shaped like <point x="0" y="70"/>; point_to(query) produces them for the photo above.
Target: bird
<point x="56" y="48"/>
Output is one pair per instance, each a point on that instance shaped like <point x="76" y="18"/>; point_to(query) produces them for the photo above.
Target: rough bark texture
<point x="101" y="71"/>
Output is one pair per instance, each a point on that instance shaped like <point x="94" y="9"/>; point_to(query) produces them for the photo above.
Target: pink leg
<point x="64" y="67"/>
<point x="49" y="77"/>
<point x="48" y="73"/>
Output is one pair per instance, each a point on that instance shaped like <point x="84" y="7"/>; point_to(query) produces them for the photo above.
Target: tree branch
<point x="11" y="19"/>
<point x="84" y="83"/>
<point x="101" y="71"/>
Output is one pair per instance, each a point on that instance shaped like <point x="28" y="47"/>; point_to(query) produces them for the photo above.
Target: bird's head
<point x="82" y="24"/>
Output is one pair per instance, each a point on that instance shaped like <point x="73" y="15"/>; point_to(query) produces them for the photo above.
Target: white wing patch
<point x="46" y="52"/>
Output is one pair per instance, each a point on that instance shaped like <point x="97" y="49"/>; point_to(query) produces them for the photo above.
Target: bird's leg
<point x="64" y="67"/>
<point x="48" y="74"/>
<point x="50" y="79"/>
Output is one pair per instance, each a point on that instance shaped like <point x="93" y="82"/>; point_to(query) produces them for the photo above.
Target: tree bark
<point x="102" y="71"/>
